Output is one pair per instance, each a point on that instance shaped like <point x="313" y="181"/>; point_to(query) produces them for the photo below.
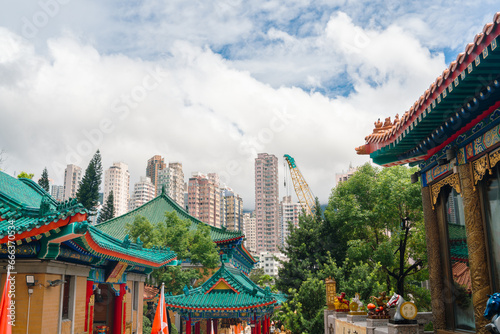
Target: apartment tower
<point x="117" y="178"/>
<point x="72" y="178"/>
<point x="144" y="191"/>
<point x="250" y="230"/>
<point x="289" y="212"/>
<point x="267" y="203"/>
<point x="204" y="198"/>
<point x="233" y="210"/>
<point x="155" y="164"/>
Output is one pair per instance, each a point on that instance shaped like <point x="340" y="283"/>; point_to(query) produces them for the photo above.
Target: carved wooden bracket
<point x="479" y="168"/>
<point x="494" y="158"/>
<point x="452" y="180"/>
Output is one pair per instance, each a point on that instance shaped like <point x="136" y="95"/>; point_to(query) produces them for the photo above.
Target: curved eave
<point x="94" y="248"/>
<point x="436" y="108"/>
<point x="78" y="217"/>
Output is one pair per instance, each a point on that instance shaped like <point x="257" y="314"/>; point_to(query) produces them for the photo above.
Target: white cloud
<point x="136" y="82"/>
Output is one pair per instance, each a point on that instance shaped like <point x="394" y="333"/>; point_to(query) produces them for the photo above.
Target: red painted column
<point x="89" y="310"/>
<point x="119" y="319"/>
<point x="188" y="325"/>
<point x="209" y="329"/>
<point x="197" y="328"/>
<point x="266" y="330"/>
<point x="216" y="323"/>
<point x="259" y="325"/>
<point x="269" y="324"/>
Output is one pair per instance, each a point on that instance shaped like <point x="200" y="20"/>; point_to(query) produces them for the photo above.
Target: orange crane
<point x="304" y="193"/>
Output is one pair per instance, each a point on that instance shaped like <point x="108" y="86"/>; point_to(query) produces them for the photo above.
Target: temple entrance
<point x="104" y="308"/>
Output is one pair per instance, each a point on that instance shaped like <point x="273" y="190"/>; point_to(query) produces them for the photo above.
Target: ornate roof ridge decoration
<point x="452" y="180"/>
<point x="388" y="134"/>
<point x="219" y="235"/>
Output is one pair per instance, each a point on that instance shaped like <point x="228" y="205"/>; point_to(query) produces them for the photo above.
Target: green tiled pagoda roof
<point x="21" y="201"/>
<point x="246" y="294"/>
<point x="154" y="211"/>
<point x="108" y="246"/>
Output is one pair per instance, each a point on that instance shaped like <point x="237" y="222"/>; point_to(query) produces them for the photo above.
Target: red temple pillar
<point x="216" y="323"/>
<point x="259" y="327"/>
<point x="197" y="328"/>
<point x="266" y="330"/>
<point x="89" y="311"/>
<point x="269" y="324"/>
<point x="188" y="325"/>
<point x="120" y="317"/>
<point x="209" y="327"/>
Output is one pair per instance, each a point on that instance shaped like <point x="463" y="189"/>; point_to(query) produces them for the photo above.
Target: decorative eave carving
<point x="453" y="180"/>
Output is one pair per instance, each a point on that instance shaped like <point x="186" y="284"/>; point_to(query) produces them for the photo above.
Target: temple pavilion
<point x="225" y="301"/>
<point x="452" y="133"/>
<point x="70" y="277"/>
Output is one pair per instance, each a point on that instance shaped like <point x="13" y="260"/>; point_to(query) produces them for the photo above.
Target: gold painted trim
<point x="479" y="168"/>
<point x="452" y="180"/>
<point x="494" y="158"/>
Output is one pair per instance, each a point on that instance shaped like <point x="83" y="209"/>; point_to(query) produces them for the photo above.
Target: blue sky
<point x="231" y="78"/>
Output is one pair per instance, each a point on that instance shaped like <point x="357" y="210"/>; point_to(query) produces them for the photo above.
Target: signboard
<point x="343" y="327"/>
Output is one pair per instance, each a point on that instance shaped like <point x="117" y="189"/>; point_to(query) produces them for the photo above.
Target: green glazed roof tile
<point x="154" y="211"/>
<point x="247" y="294"/>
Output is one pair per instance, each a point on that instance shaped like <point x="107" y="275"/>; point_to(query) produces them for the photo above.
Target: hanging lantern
<point x="331" y="292"/>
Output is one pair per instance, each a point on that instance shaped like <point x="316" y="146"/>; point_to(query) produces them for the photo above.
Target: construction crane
<point x="304" y="193"/>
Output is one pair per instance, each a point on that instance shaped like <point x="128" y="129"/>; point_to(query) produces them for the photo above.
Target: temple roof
<point x="21" y="202"/>
<point x="452" y="104"/>
<point x="154" y="211"/>
<point x="227" y="290"/>
<point x="32" y="214"/>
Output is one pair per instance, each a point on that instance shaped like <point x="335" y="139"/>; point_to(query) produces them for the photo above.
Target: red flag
<point x="5" y="325"/>
<point x="160" y="325"/>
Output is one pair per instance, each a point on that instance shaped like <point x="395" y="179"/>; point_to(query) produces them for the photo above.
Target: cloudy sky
<point x="212" y="83"/>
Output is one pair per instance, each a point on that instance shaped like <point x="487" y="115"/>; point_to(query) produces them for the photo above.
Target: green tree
<point x="379" y="213"/>
<point x="44" y="180"/>
<point x="193" y="245"/>
<point x="25" y="175"/>
<point x="88" y="191"/>
<point x="305" y="249"/>
<point x="303" y="313"/>
<point x="108" y="209"/>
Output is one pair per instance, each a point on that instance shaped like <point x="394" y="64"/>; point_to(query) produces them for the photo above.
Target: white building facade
<point x="72" y="178"/>
<point x="144" y="191"/>
<point x="117" y="179"/>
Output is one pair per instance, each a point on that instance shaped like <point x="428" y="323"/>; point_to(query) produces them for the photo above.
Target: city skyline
<point x="211" y="87"/>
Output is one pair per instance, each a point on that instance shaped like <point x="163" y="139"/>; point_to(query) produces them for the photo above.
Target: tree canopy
<point x="360" y="240"/>
<point x="88" y="190"/>
<point x="25" y="175"/>
<point x="108" y="209"/>
<point x="191" y="245"/>
<point x="44" y="180"/>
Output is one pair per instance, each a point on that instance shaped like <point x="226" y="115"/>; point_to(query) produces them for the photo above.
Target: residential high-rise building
<point x="176" y="189"/>
<point x="267" y="203"/>
<point x="269" y="261"/>
<point x="250" y="231"/>
<point x="204" y="198"/>
<point x="144" y="191"/>
<point x="117" y="178"/>
<point x="342" y="177"/>
<point x="289" y="212"/>
<point x="233" y="210"/>
<point x="57" y="192"/>
<point x="172" y="178"/>
<point x="155" y="164"/>
<point x="72" y="178"/>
